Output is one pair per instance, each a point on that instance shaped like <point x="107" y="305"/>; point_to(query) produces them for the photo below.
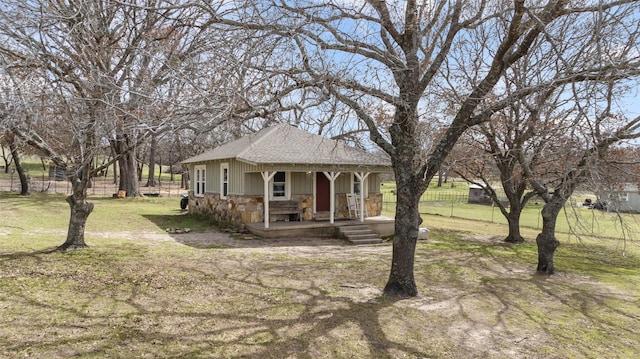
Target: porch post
<point x="362" y="176"/>
<point x="266" y="176"/>
<point x="332" y="193"/>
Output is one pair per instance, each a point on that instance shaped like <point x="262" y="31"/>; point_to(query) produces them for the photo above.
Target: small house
<point x="478" y="195"/>
<point x="624" y="198"/>
<point x="282" y="173"/>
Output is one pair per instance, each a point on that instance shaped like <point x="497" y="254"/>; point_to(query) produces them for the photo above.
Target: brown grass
<point x="143" y="293"/>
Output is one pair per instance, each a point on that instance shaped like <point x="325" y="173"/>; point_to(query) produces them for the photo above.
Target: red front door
<point x="323" y="192"/>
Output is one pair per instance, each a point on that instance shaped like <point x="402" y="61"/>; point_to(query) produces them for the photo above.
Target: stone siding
<point x="237" y="210"/>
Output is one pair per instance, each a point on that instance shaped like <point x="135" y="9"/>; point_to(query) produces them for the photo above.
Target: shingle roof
<point x="287" y="144"/>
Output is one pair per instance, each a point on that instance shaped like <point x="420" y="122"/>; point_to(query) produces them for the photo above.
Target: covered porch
<point x="382" y="226"/>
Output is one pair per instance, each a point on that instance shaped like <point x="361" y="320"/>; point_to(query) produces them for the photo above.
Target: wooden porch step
<point x="359" y="234"/>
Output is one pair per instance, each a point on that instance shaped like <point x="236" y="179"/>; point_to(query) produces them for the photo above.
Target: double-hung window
<point x="200" y="177"/>
<point x="280" y="186"/>
<point x="357" y="186"/>
<point x="224" y="180"/>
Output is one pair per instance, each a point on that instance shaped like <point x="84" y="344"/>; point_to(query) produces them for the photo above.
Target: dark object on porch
<point x="285" y="207"/>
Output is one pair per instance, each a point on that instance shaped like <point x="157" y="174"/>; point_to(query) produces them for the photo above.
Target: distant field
<point x="574" y="221"/>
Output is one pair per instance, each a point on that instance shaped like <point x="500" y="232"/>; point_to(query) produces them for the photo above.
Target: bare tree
<point x="583" y="153"/>
<point x="90" y="60"/>
<point x="113" y="74"/>
<point x="488" y="154"/>
<point x="402" y="56"/>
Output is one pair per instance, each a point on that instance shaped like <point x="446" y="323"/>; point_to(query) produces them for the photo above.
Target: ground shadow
<point x="203" y="234"/>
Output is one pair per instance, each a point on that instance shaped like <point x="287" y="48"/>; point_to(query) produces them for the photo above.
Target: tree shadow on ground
<point x="228" y="308"/>
<point x="204" y="234"/>
<point x="477" y="300"/>
<point x="498" y="299"/>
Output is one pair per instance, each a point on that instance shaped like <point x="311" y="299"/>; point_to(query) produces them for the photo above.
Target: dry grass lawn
<point x="138" y="292"/>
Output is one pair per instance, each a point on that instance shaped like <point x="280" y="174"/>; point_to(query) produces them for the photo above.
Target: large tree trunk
<point x="513" y="219"/>
<point x="80" y="211"/>
<point x="151" y="181"/>
<point x="513" y="215"/>
<point x="24" y="181"/>
<point x="127" y="165"/>
<point x="401" y="281"/>
<point x="128" y="174"/>
<point x="546" y="240"/>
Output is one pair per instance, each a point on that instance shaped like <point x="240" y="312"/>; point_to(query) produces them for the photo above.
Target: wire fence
<point x="100" y="186"/>
<point x="457" y="204"/>
<point x="439" y="197"/>
<point x="576" y="219"/>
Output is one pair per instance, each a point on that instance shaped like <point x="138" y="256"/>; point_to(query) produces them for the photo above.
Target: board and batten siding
<point x="302" y="182"/>
<point x="245" y="179"/>
<point x="254" y="185"/>
<point x="634" y="201"/>
<point x="374" y="183"/>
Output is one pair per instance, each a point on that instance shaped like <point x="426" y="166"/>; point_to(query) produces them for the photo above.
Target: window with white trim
<point x="356" y="186"/>
<point x="623" y="196"/>
<point x="200" y="179"/>
<point x="280" y="186"/>
<point x="224" y="180"/>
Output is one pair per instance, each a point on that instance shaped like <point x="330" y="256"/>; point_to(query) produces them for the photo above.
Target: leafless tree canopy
<point x="449" y="59"/>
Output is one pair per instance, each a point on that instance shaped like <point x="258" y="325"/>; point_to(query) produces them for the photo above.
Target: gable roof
<point x="285" y="144"/>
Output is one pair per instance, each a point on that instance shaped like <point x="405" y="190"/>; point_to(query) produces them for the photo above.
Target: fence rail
<point x="441" y="196"/>
<point x="456" y="204"/>
<point x="100" y="186"/>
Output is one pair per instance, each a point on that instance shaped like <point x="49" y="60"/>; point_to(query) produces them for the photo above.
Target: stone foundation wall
<point x="237" y="210"/>
<point x="373" y="204"/>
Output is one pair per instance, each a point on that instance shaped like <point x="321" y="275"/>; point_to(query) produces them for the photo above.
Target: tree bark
<point x="151" y="181"/>
<point x="24" y="181"/>
<point x="546" y="240"/>
<point x="127" y="165"/>
<point x="513" y="219"/>
<point x="401" y="281"/>
<point x="80" y="211"/>
<point x="517" y="201"/>
<point x="128" y="174"/>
